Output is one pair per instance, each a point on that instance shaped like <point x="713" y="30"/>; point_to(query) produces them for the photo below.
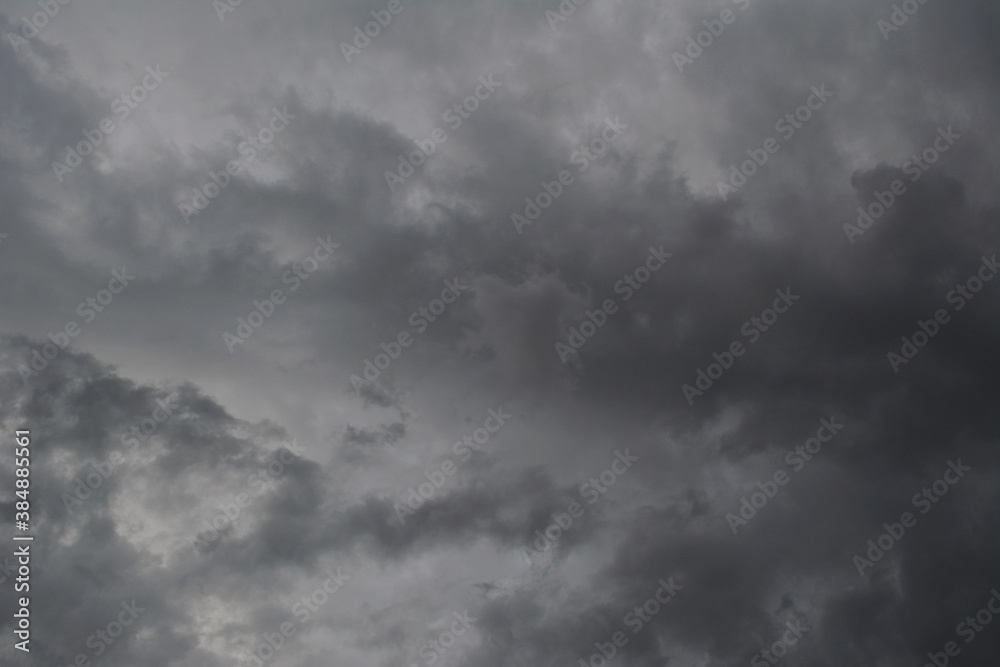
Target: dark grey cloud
<point x="239" y="481"/>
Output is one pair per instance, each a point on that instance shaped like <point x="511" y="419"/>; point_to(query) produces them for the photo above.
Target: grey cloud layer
<point x="654" y="186"/>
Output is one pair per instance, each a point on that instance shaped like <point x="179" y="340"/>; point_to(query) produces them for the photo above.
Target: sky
<point x="424" y="332"/>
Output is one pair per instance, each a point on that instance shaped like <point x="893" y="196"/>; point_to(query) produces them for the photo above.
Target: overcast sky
<point x="630" y="333"/>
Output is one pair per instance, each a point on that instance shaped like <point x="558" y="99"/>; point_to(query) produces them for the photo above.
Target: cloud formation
<point x="839" y="279"/>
